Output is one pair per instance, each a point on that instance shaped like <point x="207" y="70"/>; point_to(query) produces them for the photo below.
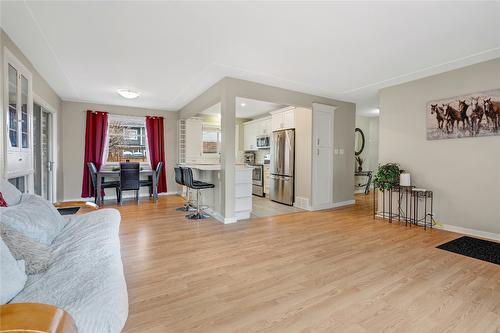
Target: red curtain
<point x="95" y="141"/>
<point x="156" y="143"/>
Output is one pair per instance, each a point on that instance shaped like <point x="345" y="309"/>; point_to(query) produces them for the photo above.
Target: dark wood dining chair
<point x="109" y="184"/>
<point x="129" y="179"/>
<point x="149" y="182"/>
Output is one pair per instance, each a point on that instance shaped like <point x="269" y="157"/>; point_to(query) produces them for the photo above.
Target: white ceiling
<point x="173" y="51"/>
<point x="247" y="108"/>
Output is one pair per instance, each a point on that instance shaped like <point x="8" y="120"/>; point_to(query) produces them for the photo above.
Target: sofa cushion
<point x="12" y="275"/>
<point x="10" y="193"/>
<point x="85" y="276"/>
<point x="35" y="217"/>
<point x="35" y="255"/>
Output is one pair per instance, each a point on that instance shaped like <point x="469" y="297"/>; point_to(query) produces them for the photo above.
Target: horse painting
<point x="471" y="115"/>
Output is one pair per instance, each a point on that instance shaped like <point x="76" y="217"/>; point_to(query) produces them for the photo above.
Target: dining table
<point x="114" y="174"/>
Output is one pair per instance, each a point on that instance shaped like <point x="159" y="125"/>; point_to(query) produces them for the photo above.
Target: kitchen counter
<point x="214" y="167"/>
<point x="212" y="198"/>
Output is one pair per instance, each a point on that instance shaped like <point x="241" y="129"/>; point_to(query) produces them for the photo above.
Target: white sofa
<point x="85" y="274"/>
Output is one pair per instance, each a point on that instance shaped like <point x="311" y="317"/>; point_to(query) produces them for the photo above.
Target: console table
<point x="368" y="181"/>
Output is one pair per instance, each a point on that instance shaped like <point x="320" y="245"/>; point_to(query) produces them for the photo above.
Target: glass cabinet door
<point x="13" y="114"/>
<point x="24" y="113"/>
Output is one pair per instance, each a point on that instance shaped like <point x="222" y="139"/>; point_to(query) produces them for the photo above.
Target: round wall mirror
<point x="359" y="141"/>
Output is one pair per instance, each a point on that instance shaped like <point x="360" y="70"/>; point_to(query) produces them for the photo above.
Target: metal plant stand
<point x="409" y="204"/>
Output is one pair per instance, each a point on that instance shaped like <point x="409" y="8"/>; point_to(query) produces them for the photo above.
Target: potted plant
<point x="387" y="176"/>
<point x="360" y="161"/>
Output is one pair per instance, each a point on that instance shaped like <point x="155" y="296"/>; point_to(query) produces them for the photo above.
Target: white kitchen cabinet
<point x="283" y="119"/>
<point x="322" y="156"/>
<point x="266" y="126"/>
<point x="253" y="129"/>
<point x="193" y="140"/>
<point x="250" y="136"/>
<point x="267" y="178"/>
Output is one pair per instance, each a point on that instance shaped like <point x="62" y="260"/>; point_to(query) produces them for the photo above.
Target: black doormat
<point x="68" y="210"/>
<point x="475" y="248"/>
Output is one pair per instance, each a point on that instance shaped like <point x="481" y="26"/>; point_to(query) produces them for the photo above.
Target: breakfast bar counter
<point x="211" y="173"/>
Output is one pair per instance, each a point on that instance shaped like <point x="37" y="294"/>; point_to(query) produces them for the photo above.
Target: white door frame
<point x="54" y="149"/>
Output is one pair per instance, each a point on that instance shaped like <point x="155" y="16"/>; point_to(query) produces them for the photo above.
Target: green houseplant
<point x="387" y="176"/>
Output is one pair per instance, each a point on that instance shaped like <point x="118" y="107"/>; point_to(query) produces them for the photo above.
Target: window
<point x="211" y="139"/>
<point x="126" y="140"/>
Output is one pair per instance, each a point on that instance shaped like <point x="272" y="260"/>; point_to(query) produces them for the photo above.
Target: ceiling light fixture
<point x="128" y="94"/>
<point x="243" y="104"/>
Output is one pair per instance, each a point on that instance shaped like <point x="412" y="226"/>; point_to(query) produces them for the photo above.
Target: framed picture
<point x="464" y="116"/>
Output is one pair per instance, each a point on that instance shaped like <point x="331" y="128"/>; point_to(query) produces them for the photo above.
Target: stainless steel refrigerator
<point x="281" y="185"/>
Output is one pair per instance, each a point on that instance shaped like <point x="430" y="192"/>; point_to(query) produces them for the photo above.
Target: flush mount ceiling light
<point x="127" y="93"/>
<point x="243" y="104"/>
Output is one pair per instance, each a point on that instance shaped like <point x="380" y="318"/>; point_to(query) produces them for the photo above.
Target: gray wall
<point x="73" y="141"/>
<point x="40" y="88"/>
<point x="464" y="173"/>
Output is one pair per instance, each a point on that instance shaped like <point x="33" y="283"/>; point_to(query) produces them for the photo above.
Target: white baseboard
<point x="334" y="205"/>
<point x="302" y="203"/>
<point x="344" y="203"/>
<point x="459" y="230"/>
<point x="468" y="231"/>
<point x="221" y="218"/>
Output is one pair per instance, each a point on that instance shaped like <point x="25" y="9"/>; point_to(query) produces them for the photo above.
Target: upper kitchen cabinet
<point x="250" y="136"/>
<point x="253" y="129"/>
<point x="283" y="119"/>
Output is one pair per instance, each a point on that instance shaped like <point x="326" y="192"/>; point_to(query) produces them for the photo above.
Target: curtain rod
<point x="122" y="115"/>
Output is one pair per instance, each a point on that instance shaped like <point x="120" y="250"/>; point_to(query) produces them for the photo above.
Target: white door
<point x="42" y="152"/>
<point x="322" y="166"/>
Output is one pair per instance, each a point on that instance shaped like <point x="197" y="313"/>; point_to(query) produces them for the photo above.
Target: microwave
<point x="263" y="141"/>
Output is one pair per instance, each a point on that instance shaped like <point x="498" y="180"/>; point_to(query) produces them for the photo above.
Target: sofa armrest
<point x="35" y="317"/>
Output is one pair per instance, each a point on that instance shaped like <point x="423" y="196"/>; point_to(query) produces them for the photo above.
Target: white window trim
<point x="125" y="119"/>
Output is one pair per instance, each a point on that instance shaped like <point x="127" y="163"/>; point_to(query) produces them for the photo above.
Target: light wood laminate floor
<point x="328" y="271"/>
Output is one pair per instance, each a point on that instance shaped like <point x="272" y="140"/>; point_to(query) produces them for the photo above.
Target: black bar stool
<point x="187" y="174"/>
<point x="179" y="179"/>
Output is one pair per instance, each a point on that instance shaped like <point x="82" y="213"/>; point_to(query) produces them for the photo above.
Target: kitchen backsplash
<point x="259" y="155"/>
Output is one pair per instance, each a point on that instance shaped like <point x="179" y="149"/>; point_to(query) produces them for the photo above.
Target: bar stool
<point x="179" y="179"/>
<point x="187" y="174"/>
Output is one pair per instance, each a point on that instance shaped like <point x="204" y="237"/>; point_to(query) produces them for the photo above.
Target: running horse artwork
<point x="471" y="115"/>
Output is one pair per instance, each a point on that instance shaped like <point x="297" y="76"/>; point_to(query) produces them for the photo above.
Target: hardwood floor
<point x="263" y="207"/>
<point x="327" y="271"/>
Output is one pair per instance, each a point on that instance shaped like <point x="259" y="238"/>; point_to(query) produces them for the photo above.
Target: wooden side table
<point x="85" y="206"/>
<point x="35" y="317"/>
